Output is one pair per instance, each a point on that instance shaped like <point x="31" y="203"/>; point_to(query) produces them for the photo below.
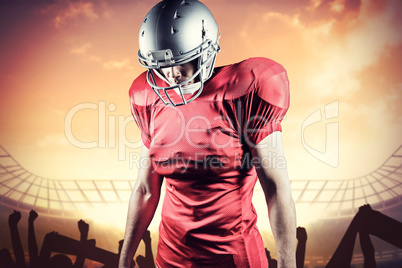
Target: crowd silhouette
<point x="57" y="248"/>
<point x="366" y="222"/>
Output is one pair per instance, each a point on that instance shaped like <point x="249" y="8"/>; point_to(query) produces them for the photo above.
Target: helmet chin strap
<point x="190" y="89"/>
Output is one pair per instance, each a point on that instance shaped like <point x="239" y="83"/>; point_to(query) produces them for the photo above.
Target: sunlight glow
<point x="307" y="213"/>
<point x="114" y="215"/>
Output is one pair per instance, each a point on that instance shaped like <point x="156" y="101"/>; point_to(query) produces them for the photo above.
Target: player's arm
<point x="142" y="205"/>
<point x="270" y="164"/>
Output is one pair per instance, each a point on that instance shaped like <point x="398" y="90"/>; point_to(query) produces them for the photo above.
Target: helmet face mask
<point x="173" y="33"/>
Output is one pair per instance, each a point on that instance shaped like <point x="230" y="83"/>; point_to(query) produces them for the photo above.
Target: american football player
<point x="210" y="133"/>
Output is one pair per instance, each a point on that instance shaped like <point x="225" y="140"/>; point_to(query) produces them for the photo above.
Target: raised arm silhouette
<point x="301" y="236"/>
<point x="13" y="220"/>
<point x="32" y="245"/>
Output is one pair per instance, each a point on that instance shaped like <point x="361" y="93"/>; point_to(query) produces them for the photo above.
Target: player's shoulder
<point x="259" y="66"/>
<point x="141" y="94"/>
<point x="272" y="83"/>
<point x="263" y="76"/>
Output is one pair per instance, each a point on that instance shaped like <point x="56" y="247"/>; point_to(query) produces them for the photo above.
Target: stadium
<point x="335" y="202"/>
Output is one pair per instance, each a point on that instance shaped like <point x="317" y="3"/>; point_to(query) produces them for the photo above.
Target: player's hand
<point x="14" y="218"/>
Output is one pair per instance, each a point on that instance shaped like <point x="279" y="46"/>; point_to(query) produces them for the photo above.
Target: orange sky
<point x="60" y="55"/>
<point x="57" y="55"/>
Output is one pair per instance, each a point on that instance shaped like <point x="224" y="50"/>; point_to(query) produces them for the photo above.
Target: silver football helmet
<point x="175" y="32"/>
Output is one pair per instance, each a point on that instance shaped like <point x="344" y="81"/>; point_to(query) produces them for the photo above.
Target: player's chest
<point x="205" y="128"/>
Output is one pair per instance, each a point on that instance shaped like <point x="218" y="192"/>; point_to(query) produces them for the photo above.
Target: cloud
<point x="53" y="140"/>
<point x="351" y="48"/>
<point x="123" y="64"/>
<point x="73" y="11"/>
<point x="309" y="11"/>
<point x="350" y="53"/>
<point x="82" y="49"/>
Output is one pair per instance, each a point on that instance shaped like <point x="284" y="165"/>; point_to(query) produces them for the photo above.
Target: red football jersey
<point x="203" y="151"/>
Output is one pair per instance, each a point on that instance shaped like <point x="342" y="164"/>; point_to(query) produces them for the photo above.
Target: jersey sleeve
<point x="265" y="105"/>
<point x="139" y="110"/>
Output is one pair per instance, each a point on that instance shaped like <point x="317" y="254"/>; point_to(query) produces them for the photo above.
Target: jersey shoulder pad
<point x="262" y="76"/>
